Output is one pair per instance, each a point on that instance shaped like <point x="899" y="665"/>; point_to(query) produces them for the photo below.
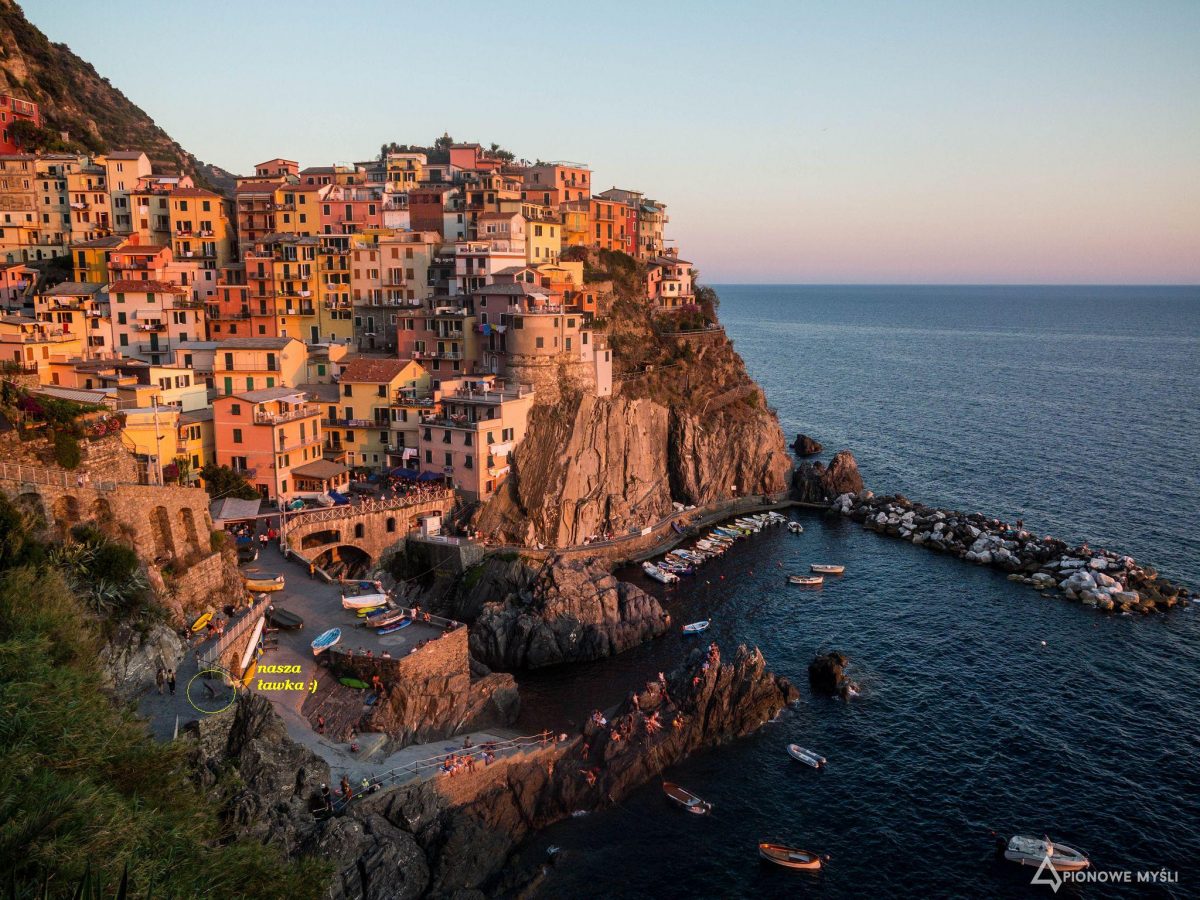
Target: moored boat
<point x="795" y="751"/>
<point x="795" y="528"/>
<point x="385" y="617"/>
<point x="284" y="618"/>
<point x="808" y="580"/>
<point x="659" y="574"/>
<point x="364" y="595"/>
<point x="789" y="857"/>
<point x="394" y="626"/>
<point x="1032" y="851"/>
<point x="686" y="799"/>
<point x="827" y="570"/>
<point x="202" y="622"/>
<point x="264" y="585"/>
<point x="325" y="640"/>
<point x="697" y="627"/>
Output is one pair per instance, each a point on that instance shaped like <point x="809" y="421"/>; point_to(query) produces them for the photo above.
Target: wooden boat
<point x="385" y="617"/>
<point x="284" y="618"/>
<point x="808" y="580"/>
<point x="789" y="857"/>
<point x="1032" y="851"/>
<point x="686" y="799"/>
<point x="394" y="626"/>
<point x="325" y="640"/>
<point x="808" y="757"/>
<point x="697" y="627"/>
<point x="265" y="585"/>
<point x="202" y="622"/>
<point x="794" y="528"/>
<point x="827" y="570"/>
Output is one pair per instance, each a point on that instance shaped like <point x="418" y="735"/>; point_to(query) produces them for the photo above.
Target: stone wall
<point x="430" y="693"/>
<point x="549" y="375"/>
<point x="365" y="528"/>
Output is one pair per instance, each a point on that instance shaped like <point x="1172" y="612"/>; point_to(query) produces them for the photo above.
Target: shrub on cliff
<point x="222" y="481"/>
<point x="66" y="450"/>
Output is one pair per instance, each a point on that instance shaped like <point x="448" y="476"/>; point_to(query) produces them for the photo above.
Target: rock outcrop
<point x="826" y="672"/>
<point x="565" y="611"/>
<point x="817" y="483"/>
<point x="803" y="445"/>
<point x="693" y="431"/>
<point x="131" y="658"/>
<point x="429" y="695"/>
<point x="1095" y="577"/>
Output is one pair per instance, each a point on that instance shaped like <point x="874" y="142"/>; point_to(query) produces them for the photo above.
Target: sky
<point x="794" y="142"/>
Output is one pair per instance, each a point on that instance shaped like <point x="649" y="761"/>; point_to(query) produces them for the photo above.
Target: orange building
<point x="267" y="435"/>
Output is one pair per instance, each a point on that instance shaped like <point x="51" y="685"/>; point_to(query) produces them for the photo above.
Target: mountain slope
<point x="76" y="99"/>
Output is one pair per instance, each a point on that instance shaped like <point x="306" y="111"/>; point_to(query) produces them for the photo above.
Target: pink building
<point x="267" y="435"/>
<point x="669" y="281"/>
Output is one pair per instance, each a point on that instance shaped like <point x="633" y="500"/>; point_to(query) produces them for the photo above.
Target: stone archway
<point x="188" y="521"/>
<point x="101" y="513"/>
<point x="344" y="561"/>
<point x="66" y="513"/>
<point x="160" y="530"/>
<point x="320" y="538"/>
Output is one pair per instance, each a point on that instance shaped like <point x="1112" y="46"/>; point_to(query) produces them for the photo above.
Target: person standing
<point x="171" y="681"/>
<point x="160" y="679"/>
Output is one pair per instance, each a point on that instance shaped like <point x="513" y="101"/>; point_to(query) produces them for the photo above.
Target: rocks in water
<point x="1098" y="578"/>
<point x="566" y="611"/>
<point x="803" y="445"/>
<point x="817" y="483"/>
<point x="826" y="672"/>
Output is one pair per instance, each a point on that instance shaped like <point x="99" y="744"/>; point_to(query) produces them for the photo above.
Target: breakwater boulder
<point x="816" y="482"/>
<point x="803" y="445"/>
<point x="562" y="612"/>
<point x="826" y="673"/>
<point x="1100" y="578"/>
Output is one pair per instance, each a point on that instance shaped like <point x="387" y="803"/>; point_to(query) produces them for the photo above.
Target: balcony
<point x="150" y="326"/>
<point x="275" y="418"/>
<point x="437" y="354"/>
<point x="298" y="311"/>
<point x="297" y="444"/>
<point x="348" y="423"/>
<point x="186" y="303"/>
<point x="147" y="348"/>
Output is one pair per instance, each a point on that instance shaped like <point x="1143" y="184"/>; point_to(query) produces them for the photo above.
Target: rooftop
<point x="375" y="371"/>
<point x="254" y="343"/>
<point x="319" y="468"/>
<point x="149" y="286"/>
<point x="73" y="289"/>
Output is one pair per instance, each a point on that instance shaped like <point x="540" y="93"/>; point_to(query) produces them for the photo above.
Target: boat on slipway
<point x="325" y="640"/>
<point x="264" y="585"/>
<point x="364" y="595"/>
<point x="659" y="574"/>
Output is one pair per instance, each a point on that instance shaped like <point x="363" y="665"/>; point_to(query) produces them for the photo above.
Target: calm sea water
<point x="1073" y="408"/>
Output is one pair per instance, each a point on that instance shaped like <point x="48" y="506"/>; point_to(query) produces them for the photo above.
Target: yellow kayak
<point x="251" y="671"/>
<point x="201" y="623"/>
<point x="263" y="585"/>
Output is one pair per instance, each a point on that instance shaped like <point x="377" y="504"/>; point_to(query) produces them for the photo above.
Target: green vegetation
<point x="66" y="450"/>
<point x="222" y="481"/>
<point x="81" y="784"/>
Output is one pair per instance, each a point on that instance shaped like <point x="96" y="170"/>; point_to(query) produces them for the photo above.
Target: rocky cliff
<point x="687" y="425"/>
<point x="76" y="99"/>
<point x="814" y="482"/>
<point x="529" y="615"/>
<point x="451" y="836"/>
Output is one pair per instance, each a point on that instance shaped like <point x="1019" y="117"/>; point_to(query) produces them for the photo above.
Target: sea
<point x="986" y="710"/>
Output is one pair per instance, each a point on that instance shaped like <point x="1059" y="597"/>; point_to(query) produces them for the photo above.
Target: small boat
<point x="325" y="640"/>
<point x="789" y="857"/>
<point x="686" y="799"/>
<point x="265" y="585"/>
<point x="659" y="574"/>
<point x="283" y="618"/>
<point x="1032" y="851"/>
<point x="384" y="617"/>
<point x="251" y="671"/>
<point x="367" y="610"/>
<point x="808" y="580"/>
<point x="697" y="627"/>
<point x="679" y="529"/>
<point x="364" y="595"/>
<point x="202" y="622"/>
<point x="794" y="528"/>
<point x="795" y="751"/>
<point x="355" y="683"/>
<point x="827" y="570"/>
<point x="394" y="626"/>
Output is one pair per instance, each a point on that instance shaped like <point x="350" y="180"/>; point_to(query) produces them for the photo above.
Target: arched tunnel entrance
<point x="317" y="538"/>
<point x="344" y="561"/>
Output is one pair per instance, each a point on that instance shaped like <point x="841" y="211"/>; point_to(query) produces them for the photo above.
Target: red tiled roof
<point x="135" y="287"/>
<point x="375" y="371"/>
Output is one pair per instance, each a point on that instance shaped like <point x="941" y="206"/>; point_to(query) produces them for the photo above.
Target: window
<point x="541" y="342"/>
<point x="468" y="462"/>
<point x="347" y="392"/>
<point x="429" y="456"/>
<point x="358" y="530"/>
<point x="235" y="409"/>
<point x="237" y="435"/>
<point x="390" y="524"/>
<point x="449" y="459"/>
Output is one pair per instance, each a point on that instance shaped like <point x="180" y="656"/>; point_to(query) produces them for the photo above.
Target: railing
<point x="367" y="505"/>
<point x="207" y="657"/>
<point x="276" y="418"/>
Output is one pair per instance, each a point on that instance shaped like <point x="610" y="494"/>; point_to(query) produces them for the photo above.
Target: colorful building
<point x="554" y="183"/>
<point x="30" y="346"/>
<point x="250" y="363"/>
<point x="13" y="110"/>
<point x="150" y="318"/>
<point x="80" y="309"/>
<point x="371" y="418"/>
<point x="266" y="435"/>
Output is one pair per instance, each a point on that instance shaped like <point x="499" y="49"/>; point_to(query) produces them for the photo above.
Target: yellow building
<point x="18" y="207"/>
<point x="87" y="192"/>
<point x="151" y="434"/>
<point x="79" y="309"/>
<point x="406" y="170"/>
<point x="370" y="418"/>
<point x="543" y="234"/>
<point x="29" y="345"/>
<point x="335" y="312"/>
<point x="197" y="443"/>
<point x="201" y="229"/>
<point x="253" y="363"/>
<point x="576" y="224"/>
<point x="89" y="259"/>
<point x="297" y="209"/>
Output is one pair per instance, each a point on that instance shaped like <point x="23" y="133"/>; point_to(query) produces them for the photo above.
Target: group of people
<point x="165" y="678"/>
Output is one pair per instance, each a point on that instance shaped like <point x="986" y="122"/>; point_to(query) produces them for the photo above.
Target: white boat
<point x="807" y="580"/>
<point x="795" y="528"/>
<point x="686" y="799"/>
<point x="795" y="751"/>
<point x="1032" y="851"/>
<point x="827" y="570"/>
<point x="697" y="627"/>
<point x="658" y="574"/>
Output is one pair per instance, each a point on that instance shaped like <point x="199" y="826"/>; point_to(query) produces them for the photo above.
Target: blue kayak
<point x="325" y="640"/>
<point x="395" y="626"/>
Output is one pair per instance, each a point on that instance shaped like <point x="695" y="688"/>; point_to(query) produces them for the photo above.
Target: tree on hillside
<point x="222" y="481"/>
